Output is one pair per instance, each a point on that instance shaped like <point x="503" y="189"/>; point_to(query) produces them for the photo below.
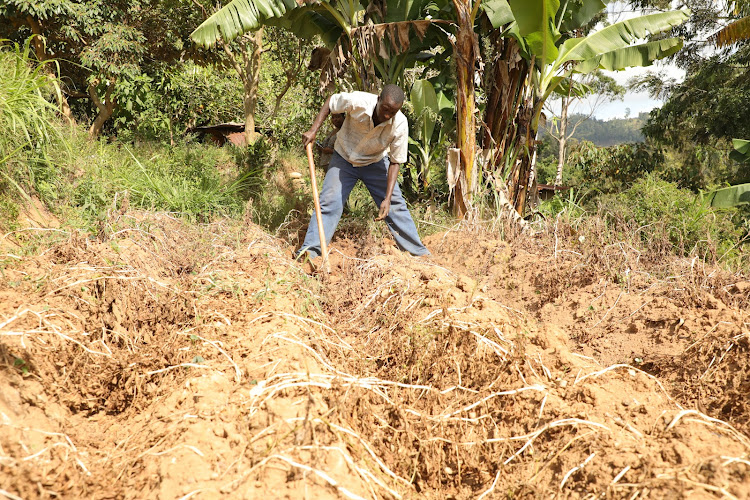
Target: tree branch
<point x="233" y="61"/>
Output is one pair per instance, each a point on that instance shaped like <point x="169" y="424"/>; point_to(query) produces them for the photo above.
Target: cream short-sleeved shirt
<point x="361" y="143"/>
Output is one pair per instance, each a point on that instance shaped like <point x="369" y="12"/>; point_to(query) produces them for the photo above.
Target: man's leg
<point x="399" y="219"/>
<point x="338" y="184"/>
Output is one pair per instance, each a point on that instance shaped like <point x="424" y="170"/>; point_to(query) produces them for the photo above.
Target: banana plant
<point x="430" y="108"/>
<point x="611" y="48"/>
<point x="369" y="39"/>
<point x="554" y="59"/>
<point x="739" y="194"/>
<point x="728" y="197"/>
<point x="732" y="33"/>
<point x="741" y="151"/>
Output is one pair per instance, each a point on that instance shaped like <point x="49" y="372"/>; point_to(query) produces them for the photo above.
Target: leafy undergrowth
<point x="168" y="360"/>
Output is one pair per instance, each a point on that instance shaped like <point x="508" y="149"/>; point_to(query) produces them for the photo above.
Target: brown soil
<point x="162" y="360"/>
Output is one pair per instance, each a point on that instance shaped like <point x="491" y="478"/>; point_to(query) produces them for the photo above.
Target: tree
<point x="604" y="89"/>
<point x="97" y="45"/>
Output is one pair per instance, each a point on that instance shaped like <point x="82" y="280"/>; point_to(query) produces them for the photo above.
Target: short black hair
<point x="393" y="93"/>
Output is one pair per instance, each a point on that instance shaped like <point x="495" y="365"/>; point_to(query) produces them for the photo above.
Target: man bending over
<point x="370" y="147"/>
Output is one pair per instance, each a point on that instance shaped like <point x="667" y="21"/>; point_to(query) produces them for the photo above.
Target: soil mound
<point x="164" y="360"/>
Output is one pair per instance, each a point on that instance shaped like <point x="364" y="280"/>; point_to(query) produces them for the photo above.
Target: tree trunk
<point x="105" y="108"/>
<point x="41" y="54"/>
<point x="507" y="116"/>
<point x="291" y="79"/>
<point x="521" y="178"/>
<point x="563" y="140"/>
<point x="505" y="80"/>
<point x="466" y="51"/>
<point x="251" y="56"/>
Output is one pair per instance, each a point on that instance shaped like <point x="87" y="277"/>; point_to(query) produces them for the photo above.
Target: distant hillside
<point x="609" y="132"/>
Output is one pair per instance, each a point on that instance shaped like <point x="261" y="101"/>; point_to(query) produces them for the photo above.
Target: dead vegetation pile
<point x="164" y="360"/>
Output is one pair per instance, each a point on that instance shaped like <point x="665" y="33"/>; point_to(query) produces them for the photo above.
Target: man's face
<point x="386" y="109"/>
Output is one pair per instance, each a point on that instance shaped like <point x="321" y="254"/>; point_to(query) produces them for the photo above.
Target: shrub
<point x="668" y="218"/>
<point x="195" y="180"/>
<point x="614" y="168"/>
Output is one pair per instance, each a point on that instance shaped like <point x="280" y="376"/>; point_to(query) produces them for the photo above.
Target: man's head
<point x="337" y="119"/>
<point x="389" y="102"/>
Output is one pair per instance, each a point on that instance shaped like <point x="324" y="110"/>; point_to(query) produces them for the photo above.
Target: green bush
<point x="568" y="204"/>
<point x="173" y="98"/>
<point x="614" y="168"/>
<point x="667" y="218"/>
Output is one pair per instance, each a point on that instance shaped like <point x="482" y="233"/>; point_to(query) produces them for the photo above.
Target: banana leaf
<point x="241" y="16"/>
<point x="536" y="24"/>
<point x="741" y="151"/>
<point x="620" y="35"/>
<point x="627" y="57"/>
<point x="425" y="103"/>
<point x="729" y="196"/>
<point x="580" y="15"/>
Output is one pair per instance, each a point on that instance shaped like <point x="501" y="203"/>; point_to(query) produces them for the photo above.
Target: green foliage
<point x="428" y="131"/>
<point x="277" y="203"/>
<point x="607" y="132"/>
<point x="700" y="118"/>
<point x="193" y="180"/>
<point x="102" y="48"/>
<point x="701" y="167"/>
<point x="176" y="97"/>
<point x="671" y="219"/>
<point x="546" y="159"/>
<point x="29" y="124"/>
<point x="741" y="151"/>
<point x="186" y="181"/>
<point x="611" y="169"/>
<point x="729" y="196"/>
<point x="569" y="205"/>
<point x="253" y="162"/>
<point x="240" y="17"/>
<point x="710" y="104"/>
<point x="288" y="100"/>
<point x="24" y="110"/>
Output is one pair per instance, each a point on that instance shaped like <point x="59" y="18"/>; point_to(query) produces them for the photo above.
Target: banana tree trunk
<point x="506" y="77"/>
<point x="521" y="177"/>
<point x="505" y="87"/>
<point x="466" y="53"/>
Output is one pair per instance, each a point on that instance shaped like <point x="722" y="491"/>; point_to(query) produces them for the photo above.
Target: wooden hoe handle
<point x="316" y="201"/>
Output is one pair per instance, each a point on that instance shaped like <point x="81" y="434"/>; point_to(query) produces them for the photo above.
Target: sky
<point x="634" y="102"/>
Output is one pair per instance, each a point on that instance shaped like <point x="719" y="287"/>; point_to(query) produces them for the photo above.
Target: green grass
<point x="29" y="129"/>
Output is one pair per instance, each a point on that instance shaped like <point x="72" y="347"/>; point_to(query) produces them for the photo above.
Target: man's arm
<point x="309" y="136"/>
<point x="385" y="207"/>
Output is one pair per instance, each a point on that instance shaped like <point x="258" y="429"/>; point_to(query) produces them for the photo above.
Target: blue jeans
<point x="338" y="184"/>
